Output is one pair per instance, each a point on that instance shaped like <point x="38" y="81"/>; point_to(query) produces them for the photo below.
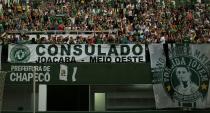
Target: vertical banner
<point x="2" y="81"/>
<point x="181" y="75"/>
<point x="0" y="55"/>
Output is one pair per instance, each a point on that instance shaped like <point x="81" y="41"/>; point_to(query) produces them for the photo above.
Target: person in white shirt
<point x="162" y="39"/>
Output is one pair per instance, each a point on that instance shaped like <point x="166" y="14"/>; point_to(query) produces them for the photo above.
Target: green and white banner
<point x="98" y="53"/>
<point x="184" y="80"/>
<point x="77" y="73"/>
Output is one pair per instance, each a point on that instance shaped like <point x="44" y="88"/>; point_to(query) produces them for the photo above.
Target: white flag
<point x="63" y="72"/>
<point x="184" y="80"/>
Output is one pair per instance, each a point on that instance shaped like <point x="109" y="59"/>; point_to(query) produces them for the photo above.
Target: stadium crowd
<point x="131" y="21"/>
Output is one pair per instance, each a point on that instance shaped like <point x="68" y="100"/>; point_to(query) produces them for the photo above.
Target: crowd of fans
<point x="128" y="21"/>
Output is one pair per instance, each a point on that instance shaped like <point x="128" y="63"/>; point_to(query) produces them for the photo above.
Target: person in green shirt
<point x="99" y="39"/>
<point x="52" y="19"/>
<point x="186" y="40"/>
<point x="60" y="20"/>
<point x="1" y="28"/>
<point x="124" y="39"/>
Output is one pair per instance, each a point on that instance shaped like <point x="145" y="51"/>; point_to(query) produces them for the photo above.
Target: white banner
<point x="184" y="80"/>
<point x="98" y="53"/>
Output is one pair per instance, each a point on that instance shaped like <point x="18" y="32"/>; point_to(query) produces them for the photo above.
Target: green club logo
<point x="186" y="80"/>
<point x="20" y="54"/>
